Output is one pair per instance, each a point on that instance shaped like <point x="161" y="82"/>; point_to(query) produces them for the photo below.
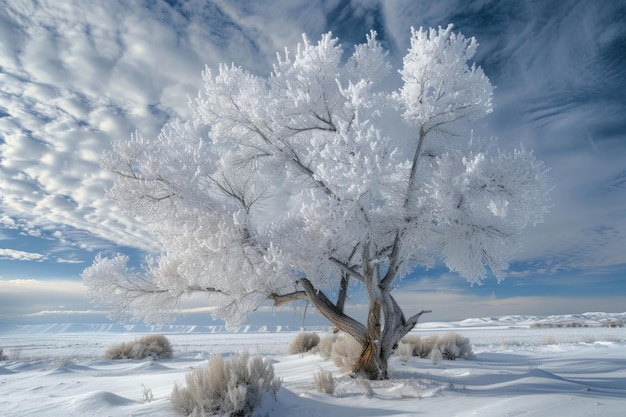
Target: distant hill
<point x="595" y="319"/>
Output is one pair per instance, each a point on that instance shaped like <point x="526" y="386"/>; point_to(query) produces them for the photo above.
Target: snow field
<point x="515" y="371"/>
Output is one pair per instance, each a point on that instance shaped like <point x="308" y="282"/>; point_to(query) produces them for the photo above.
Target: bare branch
<point x="412" y="321"/>
<point x="332" y="313"/>
<point x="280" y="299"/>
<point x="345" y="268"/>
<point x="343" y="291"/>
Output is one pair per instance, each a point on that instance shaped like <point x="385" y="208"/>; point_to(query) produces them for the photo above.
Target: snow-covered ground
<point x="531" y="366"/>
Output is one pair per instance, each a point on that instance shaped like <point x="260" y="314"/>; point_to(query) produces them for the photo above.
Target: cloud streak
<point x="20" y="255"/>
<point x="28" y="296"/>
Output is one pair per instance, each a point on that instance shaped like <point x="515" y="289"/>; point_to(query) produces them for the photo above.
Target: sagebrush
<point x="343" y="350"/>
<point x="231" y="387"/>
<point x="303" y="343"/>
<point x="324" y="382"/>
<point x="325" y="346"/>
<point x="453" y="346"/>
<point x="153" y="346"/>
<point x="450" y="346"/>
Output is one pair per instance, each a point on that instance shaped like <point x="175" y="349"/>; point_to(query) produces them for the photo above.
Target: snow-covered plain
<point x="519" y="368"/>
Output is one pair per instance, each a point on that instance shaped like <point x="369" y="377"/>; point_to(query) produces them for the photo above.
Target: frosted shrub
<point x="450" y="346"/>
<point x="325" y="346"/>
<point x="405" y="351"/>
<point x="414" y="345"/>
<point x="343" y="350"/>
<point x="16" y="354"/>
<point x="346" y="352"/>
<point x="228" y="387"/>
<point x="435" y="356"/>
<point x="2" y="356"/>
<point x="303" y="343"/>
<point x="324" y="382"/>
<point x="152" y="346"/>
<point x="453" y="346"/>
<point x="550" y="340"/>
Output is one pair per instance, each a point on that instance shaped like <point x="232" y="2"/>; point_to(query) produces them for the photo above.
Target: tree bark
<point x="372" y="364"/>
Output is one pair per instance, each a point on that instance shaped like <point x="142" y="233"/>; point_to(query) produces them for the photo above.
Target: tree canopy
<point x="298" y="184"/>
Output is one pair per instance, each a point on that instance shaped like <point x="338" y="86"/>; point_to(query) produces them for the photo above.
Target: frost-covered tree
<point x="316" y="181"/>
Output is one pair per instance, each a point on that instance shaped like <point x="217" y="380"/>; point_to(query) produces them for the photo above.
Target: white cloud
<point x="20" y="255"/>
<point x="47" y="313"/>
<point x="69" y="261"/>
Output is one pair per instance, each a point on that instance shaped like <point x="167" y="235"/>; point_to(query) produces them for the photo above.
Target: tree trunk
<point x="377" y="342"/>
<point x="372" y="364"/>
<point x="380" y="345"/>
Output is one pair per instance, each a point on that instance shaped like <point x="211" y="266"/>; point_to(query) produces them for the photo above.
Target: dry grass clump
<point x="450" y="346"/>
<point x="549" y="340"/>
<point x="612" y="323"/>
<point x="154" y="346"/>
<point x="324" y="382"/>
<point x="551" y="325"/>
<point x="415" y="345"/>
<point x="325" y="346"/>
<point x="346" y="352"/>
<point x="453" y="346"/>
<point x="303" y="343"/>
<point x="12" y="355"/>
<point x="226" y="387"/>
<point x="343" y="350"/>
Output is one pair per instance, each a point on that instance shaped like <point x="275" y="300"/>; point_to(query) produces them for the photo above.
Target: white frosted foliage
<point x="288" y="186"/>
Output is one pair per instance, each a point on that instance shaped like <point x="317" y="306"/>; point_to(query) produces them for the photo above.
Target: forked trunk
<point x="379" y="345"/>
<point x="372" y="364"/>
<point x="377" y="342"/>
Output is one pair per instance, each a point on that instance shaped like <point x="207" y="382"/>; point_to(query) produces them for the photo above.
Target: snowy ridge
<point x="593" y="319"/>
<point x="56" y="328"/>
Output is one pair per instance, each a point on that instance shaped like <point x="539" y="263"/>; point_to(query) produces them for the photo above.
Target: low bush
<point x="324" y="382"/>
<point x="153" y="346"/>
<point x="612" y="323"/>
<point x="454" y="346"/>
<point x="551" y="325"/>
<point x="435" y="356"/>
<point x="15" y="354"/>
<point x="303" y="343"/>
<point x="325" y="346"/>
<point x="343" y="350"/>
<point x="2" y="356"/>
<point x="449" y="346"/>
<point x="346" y="352"/>
<point x="227" y="387"/>
<point x="415" y="345"/>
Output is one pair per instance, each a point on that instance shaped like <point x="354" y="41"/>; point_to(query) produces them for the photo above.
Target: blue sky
<point x="76" y="74"/>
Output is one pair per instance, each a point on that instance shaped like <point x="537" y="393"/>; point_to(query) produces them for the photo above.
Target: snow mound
<point x="97" y="403"/>
<point x="149" y="366"/>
